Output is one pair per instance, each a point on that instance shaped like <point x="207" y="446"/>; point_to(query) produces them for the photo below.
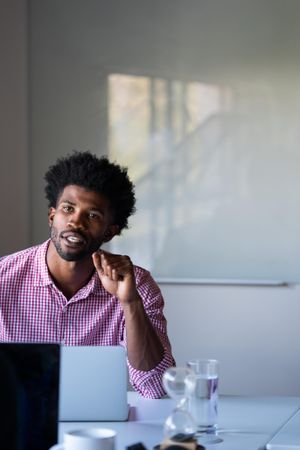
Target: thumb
<point x="97" y="262"/>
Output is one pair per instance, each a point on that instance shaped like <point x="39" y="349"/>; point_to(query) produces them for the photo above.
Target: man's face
<point x="80" y="223"/>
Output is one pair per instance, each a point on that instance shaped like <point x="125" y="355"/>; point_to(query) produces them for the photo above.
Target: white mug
<point x="88" y="439"/>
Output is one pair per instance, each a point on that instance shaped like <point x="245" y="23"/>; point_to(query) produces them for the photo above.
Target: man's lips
<point x="73" y="237"/>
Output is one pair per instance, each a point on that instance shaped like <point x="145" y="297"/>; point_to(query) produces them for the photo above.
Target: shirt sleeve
<point x="149" y="383"/>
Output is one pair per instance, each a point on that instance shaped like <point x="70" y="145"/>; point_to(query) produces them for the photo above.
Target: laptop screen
<point x="93" y="383"/>
<point x="29" y="384"/>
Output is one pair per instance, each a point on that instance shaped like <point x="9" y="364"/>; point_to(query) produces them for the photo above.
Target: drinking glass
<point x="203" y="401"/>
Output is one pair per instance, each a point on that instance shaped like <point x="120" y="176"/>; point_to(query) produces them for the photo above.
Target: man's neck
<point x="68" y="276"/>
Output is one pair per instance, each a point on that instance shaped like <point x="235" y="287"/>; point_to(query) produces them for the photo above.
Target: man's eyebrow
<point x="91" y="207"/>
<point x="97" y="209"/>
<point x="67" y="201"/>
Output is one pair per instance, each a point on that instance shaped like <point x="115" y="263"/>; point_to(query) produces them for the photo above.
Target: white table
<point x="246" y="423"/>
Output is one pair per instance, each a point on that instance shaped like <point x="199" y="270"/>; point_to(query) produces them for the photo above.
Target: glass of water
<point x="203" y="402"/>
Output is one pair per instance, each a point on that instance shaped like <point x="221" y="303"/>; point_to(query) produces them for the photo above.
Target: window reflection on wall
<point x="163" y="130"/>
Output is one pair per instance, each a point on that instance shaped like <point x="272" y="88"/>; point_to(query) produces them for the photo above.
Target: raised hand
<point x="117" y="275"/>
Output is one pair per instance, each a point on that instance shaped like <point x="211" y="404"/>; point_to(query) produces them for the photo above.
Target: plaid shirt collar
<point x="42" y="275"/>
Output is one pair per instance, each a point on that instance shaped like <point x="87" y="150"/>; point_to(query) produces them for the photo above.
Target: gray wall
<point x="253" y="331"/>
<point x="14" y="157"/>
<point x="73" y="44"/>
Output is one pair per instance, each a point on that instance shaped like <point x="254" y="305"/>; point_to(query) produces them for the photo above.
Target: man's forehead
<point x="74" y="194"/>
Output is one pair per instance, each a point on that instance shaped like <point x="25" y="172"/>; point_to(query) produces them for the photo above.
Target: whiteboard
<point x="218" y="185"/>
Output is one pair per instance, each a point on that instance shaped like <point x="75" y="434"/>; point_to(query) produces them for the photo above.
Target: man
<point x="68" y="290"/>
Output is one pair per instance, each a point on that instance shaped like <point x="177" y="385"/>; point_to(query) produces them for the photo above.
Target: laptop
<point x="29" y="383"/>
<point x="93" y="384"/>
<point x="288" y="436"/>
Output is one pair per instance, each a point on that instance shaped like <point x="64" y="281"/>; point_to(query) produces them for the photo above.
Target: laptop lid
<point x="29" y="382"/>
<point x="288" y="436"/>
<point x="93" y="384"/>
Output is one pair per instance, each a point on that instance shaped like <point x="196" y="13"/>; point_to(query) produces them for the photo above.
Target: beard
<point x="73" y="253"/>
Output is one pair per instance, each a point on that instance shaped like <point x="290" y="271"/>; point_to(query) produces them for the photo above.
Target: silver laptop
<point x="93" y="384"/>
<point x="288" y="436"/>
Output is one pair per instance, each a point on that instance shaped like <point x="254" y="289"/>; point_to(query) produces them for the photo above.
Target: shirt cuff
<point x="149" y="383"/>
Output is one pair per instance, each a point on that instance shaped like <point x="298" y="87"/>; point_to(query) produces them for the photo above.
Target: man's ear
<point x="111" y="231"/>
<point x="51" y="214"/>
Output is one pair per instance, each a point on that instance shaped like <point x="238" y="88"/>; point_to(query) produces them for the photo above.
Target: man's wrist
<point x="134" y="298"/>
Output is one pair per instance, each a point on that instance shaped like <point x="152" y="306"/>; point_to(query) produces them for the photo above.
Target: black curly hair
<point x="94" y="174"/>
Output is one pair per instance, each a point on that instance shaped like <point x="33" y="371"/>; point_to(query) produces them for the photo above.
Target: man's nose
<point x="78" y="220"/>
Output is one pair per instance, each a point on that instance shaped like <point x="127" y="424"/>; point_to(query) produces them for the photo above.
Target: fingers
<point x="113" y="266"/>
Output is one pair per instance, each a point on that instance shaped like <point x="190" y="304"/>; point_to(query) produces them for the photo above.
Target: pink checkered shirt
<point x="33" y="309"/>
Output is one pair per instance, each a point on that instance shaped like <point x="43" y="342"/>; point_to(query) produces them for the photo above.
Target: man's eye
<point x="67" y="209"/>
<point x="94" y="216"/>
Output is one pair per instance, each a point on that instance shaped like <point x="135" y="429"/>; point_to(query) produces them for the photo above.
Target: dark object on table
<point x="181" y="443"/>
<point x="137" y="446"/>
<point x="29" y="385"/>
